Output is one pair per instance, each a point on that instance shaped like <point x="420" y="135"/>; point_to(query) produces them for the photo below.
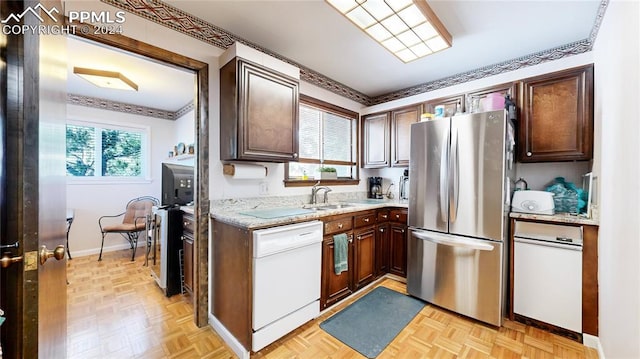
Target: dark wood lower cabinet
<point x="187" y="251"/>
<point x="382" y="249"/>
<point x="364" y="256"/>
<point x="378" y="246"/>
<point x="398" y="249"/>
<point x="335" y="287"/>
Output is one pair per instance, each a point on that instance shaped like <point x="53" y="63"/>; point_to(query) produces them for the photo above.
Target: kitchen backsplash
<point x="241" y="204"/>
<point x="540" y="175"/>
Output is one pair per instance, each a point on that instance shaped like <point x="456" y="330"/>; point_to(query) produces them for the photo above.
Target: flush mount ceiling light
<point x="106" y="79"/>
<point x="407" y="28"/>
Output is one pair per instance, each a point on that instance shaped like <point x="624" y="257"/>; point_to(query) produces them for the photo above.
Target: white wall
<point x="185" y="128"/>
<point x="90" y="201"/>
<point x="226" y="187"/>
<point x="616" y="107"/>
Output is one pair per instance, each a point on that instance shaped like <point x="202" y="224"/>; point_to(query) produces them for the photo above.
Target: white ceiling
<point x="314" y="35"/>
<point x="159" y="86"/>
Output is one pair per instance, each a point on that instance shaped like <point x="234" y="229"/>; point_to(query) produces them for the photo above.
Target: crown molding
<point x="178" y="20"/>
<point x="109" y="105"/>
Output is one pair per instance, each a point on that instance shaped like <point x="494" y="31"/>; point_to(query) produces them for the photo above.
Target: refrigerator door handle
<point x="443" y="177"/>
<point x="453" y="241"/>
<point x="455" y="179"/>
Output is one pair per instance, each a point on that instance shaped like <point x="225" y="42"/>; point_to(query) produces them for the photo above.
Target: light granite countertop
<point x="557" y="218"/>
<point x="234" y="216"/>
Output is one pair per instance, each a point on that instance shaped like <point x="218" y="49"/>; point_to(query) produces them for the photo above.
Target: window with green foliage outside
<point x="327" y="138"/>
<point x="98" y="151"/>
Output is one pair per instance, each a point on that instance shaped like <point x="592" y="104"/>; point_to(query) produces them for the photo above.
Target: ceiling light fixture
<point x="106" y="79"/>
<point x="407" y="28"/>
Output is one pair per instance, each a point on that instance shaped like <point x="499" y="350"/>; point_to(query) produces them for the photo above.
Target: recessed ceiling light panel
<point x="407" y="28"/>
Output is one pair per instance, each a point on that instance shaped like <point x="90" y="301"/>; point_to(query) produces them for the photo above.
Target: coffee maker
<point x="375" y="187"/>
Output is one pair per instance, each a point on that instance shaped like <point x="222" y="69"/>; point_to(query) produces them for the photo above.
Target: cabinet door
<point x="364" y="256"/>
<point x="557" y="117"/>
<point x="450" y="104"/>
<point x="382" y="249"/>
<point x="398" y="250"/>
<point x="375" y="141"/>
<point x="401" y="121"/>
<point x="334" y="287"/>
<point x="510" y="88"/>
<point x="187" y="254"/>
<point x="267" y="114"/>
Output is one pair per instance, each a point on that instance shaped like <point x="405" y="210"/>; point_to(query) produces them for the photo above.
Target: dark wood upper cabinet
<point x="401" y="120"/>
<point x="509" y="88"/>
<point x="557" y="117"/>
<point x="258" y="113"/>
<point x="450" y="105"/>
<point x="375" y="140"/>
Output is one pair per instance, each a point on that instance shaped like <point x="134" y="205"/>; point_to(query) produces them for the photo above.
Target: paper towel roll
<point x="245" y="171"/>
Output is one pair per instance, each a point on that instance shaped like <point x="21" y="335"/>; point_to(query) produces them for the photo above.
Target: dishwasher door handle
<point x="571" y="247"/>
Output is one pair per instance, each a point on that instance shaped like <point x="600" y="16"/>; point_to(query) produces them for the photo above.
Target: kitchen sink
<point x="324" y="207"/>
<point x="369" y="201"/>
<point x="338" y="206"/>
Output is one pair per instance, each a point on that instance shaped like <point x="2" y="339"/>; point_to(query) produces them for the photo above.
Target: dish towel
<point x="340" y="253"/>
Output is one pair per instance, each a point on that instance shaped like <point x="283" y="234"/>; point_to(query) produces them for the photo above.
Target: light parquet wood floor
<point x="116" y="310"/>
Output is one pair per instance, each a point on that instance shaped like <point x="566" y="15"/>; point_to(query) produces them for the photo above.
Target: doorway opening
<point x="200" y="153"/>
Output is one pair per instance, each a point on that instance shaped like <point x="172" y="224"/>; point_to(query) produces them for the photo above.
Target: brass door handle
<point x="7" y="260"/>
<point x="57" y="253"/>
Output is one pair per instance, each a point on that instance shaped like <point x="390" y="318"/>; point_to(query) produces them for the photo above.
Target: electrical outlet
<point x="264" y="188"/>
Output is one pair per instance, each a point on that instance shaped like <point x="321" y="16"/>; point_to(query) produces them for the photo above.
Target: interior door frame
<point x="201" y="199"/>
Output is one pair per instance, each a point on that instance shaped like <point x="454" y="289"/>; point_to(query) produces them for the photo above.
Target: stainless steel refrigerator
<point x="461" y="170"/>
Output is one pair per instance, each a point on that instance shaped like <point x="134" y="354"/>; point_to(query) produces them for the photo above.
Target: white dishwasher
<point x="287" y="263"/>
<point x="547" y="283"/>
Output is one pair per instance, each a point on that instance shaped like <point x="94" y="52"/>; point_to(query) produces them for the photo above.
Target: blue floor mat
<point x="369" y="324"/>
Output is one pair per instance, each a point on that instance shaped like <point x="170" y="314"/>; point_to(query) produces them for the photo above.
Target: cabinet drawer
<point x="188" y="224"/>
<point x="365" y="219"/>
<point x="338" y="225"/>
<point x="399" y="215"/>
<point x="383" y="215"/>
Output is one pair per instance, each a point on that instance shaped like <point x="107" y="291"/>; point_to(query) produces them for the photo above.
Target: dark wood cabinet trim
<point x="590" y="280"/>
<point x="583" y="75"/>
<point x="400" y="140"/>
<point x="236" y="113"/>
<point x="232" y="279"/>
<point x="367" y="145"/>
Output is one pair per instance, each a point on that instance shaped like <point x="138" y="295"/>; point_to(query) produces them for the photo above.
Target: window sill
<point x="107" y="181"/>
<point x="326" y="182"/>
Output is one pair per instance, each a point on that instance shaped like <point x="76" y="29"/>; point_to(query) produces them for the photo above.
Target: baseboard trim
<point x="228" y="338"/>
<point x="118" y="247"/>
<point x="593" y="342"/>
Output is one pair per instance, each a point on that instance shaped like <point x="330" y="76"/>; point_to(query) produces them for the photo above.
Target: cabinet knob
<point x="381" y="229"/>
<point x="295" y="155"/>
<point x="384" y="216"/>
<point x="529" y="154"/>
<point x="359" y="237"/>
<point x="340" y="225"/>
<point x="402" y="231"/>
<point x="397" y="216"/>
<point x="366" y="220"/>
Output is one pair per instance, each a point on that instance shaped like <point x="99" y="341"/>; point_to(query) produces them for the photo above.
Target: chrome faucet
<point x="314" y="192"/>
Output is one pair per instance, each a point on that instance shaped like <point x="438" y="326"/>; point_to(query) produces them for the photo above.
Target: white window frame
<point x="145" y="176"/>
<point x="341" y="112"/>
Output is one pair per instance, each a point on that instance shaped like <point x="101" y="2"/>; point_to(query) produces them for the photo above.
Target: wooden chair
<point x="135" y="220"/>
